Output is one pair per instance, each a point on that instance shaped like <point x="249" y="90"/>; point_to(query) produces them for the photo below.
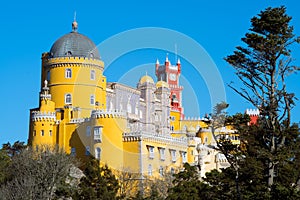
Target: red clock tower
<point x="170" y="74"/>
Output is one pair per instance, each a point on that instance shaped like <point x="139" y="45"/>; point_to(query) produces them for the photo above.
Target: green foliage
<point x="263" y="65"/>
<point x="12" y="150"/>
<point x="4" y="163"/>
<point x="188" y="186"/>
<point x="98" y="183"/>
<point x="7" y="152"/>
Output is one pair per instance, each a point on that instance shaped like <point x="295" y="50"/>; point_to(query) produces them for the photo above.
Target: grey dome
<point x="74" y="44"/>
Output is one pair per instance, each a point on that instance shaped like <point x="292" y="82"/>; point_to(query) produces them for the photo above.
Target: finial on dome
<point x="74" y="23"/>
<point x="157" y="61"/>
<point x="167" y="59"/>
<point x="178" y="61"/>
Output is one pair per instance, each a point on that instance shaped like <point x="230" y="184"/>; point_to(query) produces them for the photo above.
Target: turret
<point x="253" y="114"/>
<point x="43" y="120"/>
<point x="147" y="87"/>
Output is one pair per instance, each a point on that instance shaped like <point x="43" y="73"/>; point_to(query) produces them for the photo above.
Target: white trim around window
<point x="68" y="73"/>
<point x="68" y="98"/>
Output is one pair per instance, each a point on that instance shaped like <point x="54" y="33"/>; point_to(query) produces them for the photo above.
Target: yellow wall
<point x="80" y="85"/>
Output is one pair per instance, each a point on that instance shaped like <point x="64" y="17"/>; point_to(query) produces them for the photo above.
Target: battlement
<point x="74" y="60"/>
<point x="154" y="137"/>
<point x="43" y="116"/>
<point x="252" y="112"/>
<point x="107" y="114"/>
<point x="45" y="96"/>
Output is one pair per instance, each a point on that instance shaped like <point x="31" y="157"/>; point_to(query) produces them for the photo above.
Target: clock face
<point x="173" y="77"/>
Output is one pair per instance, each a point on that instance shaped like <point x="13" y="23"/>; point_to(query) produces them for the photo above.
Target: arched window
<point x="92" y="99"/>
<point x="87" y="151"/>
<point x="141" y="114"/>
<point x="88" y="131"/>
<point x="161" y="170"/>
<point x="68" y="98"/>
<point x="73" y="151"/>
<point x="98" y="153"/>
<point x="150" y="170"/>
<point x="172" y="171"/>
<point x="93" y="74"/>
<point x="48" y="76"/>
<point x="111" y="106"/>
<point x="129" y="108"/>
<point x="68" y="73"/>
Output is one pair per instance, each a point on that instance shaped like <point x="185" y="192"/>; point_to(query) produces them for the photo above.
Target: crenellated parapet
<point x="252" y="112"/>
<point x="73" y="61"/>
<point x="43" y="116"/>
<point x="154" y="137"/>
<point x="108" y="114"/>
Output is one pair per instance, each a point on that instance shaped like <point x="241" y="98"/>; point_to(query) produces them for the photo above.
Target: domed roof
<point x="74" y="44"/>
<point x="160" y="84"/>
<point x="146" y="79"/>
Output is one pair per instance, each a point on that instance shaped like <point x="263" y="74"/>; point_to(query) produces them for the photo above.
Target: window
<point x="87" y="151"/>
<point x="50" y="132"/>
<point x="73" y="151"/>
<point x="173" y="155"/>
<point x="172" y="128"/>
<point x="98" y="133"/>
<point x="172" y="171"/>
<point x="34" y="133"/>
<point x="92" y="99"/>
<point x="206" y="140"/>
<point x="88" y="131"/>
<point x="183" y="156"/>
<point x="141" y="114"/>
<point x="129" y="108"/>
<point x="42" y="133"/>
<point x="150" y="170"/>
<point x="92" y="74"/>
<point x="162" y="153"/>
<point x="161" y="170"/>
<point x="68" y="98"/>
<point x="68" y="73"/>
<point x="151" y="152"/>
<point x="98" y="153"/>
<point x="48" y="76"/>
<point x="111" y="106"/>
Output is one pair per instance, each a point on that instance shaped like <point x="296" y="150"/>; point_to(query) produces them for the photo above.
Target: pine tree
<point x="263" y="66"/>
<point x="98" y="183"/>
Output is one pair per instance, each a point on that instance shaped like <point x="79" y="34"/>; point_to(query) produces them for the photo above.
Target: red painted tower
<point x="170" y="74"/>
<point x="254" y="115"/>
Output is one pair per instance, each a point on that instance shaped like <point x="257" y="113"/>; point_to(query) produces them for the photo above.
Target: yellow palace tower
<point x="140" y="129"/>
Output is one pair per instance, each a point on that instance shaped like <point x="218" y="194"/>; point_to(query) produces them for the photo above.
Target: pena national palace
<point x="141" y="129"/>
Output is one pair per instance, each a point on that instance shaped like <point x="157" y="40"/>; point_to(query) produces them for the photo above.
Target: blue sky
<point x="29" y="28"/>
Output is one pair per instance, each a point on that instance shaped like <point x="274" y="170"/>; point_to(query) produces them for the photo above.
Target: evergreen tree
<point x="188" y="186"/>
<point x="263" y="66"/>
<point x="98" y="183"/>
